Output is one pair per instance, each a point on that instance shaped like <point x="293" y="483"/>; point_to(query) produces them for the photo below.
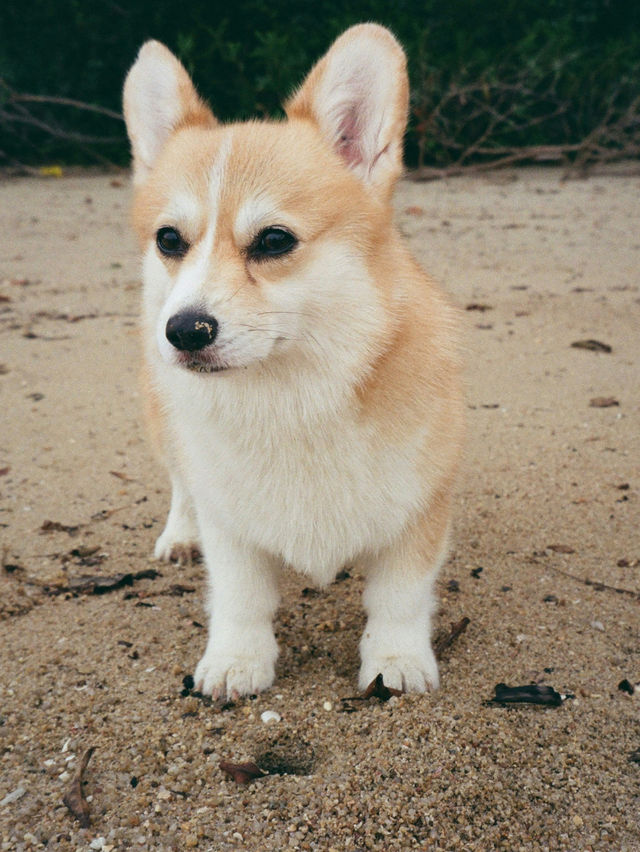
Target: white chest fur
<point x="312" y="487"/>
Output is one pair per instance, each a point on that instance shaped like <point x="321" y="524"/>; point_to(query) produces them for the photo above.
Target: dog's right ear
<point x="357" y="95"/>
<point x="159" y="98"/>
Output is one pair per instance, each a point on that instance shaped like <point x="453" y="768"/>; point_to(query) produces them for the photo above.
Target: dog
<point x="303" y="380"/>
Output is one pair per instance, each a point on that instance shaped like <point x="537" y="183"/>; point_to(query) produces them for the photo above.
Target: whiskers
<point x="268" y="332"/>
<point x="275" y="333"/>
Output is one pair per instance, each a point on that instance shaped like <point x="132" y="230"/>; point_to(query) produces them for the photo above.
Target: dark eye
<point x="171" y="243"/>
<point x="272" y="242"/>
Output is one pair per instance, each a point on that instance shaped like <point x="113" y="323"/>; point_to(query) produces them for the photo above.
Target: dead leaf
<point x="64" y="317"/>
<point x="242" y="773"/>
<point x="592" y="345"/>
<point x="124" y="476"/>
<point x="84" y="551"/>
<point x="457" y="629"/>
<point x="597" y="585"/>
<point x="105" y="514"/>
<point x="377" y="689"/>
<point x="560" y="548"/>
<point x="414" y="211"/>
<point x="341" y="576"/>
<point x="603" y="402"/>
<point x="178" y="590"/>
<point x="530" y="694"/>
<point x="4" y="471"/>
<point x="56" y="526"/>
<point x="74" y="797"/>
<point x="100" y="585"/>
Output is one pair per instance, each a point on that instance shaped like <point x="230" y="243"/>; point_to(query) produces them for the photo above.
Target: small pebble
<point x="327" y="706"/>
<point x="597" y="625"/>
<point x="270" y="716"/>
<point x="16" y="794"/>
<point x="98" y="843"/>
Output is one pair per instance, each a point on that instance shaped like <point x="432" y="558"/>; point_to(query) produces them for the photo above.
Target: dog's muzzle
<point x="190" y="331"/>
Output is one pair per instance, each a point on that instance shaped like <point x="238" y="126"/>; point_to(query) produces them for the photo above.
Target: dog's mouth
<point x="199" y="367"/>
<point x="201" y="362"/>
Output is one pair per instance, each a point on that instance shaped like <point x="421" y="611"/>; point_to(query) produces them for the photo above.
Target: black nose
<point x="191" y="330"/>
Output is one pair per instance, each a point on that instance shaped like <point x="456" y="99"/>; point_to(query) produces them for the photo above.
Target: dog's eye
<point x="272" y="242"/>
<point x="171" y="243"/>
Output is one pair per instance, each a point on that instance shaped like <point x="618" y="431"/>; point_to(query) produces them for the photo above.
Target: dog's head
<point x="264" y="239"/>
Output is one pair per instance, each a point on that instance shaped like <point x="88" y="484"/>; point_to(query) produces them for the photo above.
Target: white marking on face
<point x="217" y="173"/>
<point x="189" y="212"/>
<point x="195" y="268"/>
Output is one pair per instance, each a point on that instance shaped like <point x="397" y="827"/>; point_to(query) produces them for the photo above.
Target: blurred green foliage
<point x="494" y="73"/>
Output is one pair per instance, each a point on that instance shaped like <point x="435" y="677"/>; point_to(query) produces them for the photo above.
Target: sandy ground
<point x="548" y="506"/>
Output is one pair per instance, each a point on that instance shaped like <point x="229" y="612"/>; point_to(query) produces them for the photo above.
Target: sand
<point x="547" y="508"/>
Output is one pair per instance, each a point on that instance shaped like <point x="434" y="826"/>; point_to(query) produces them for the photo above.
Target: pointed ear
<point x="358" y="96"/>
<point x="159" y="97"/>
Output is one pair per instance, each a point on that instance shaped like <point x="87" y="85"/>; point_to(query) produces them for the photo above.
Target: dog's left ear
<point x="358" y="96"/>
<point x="159" y="98"/>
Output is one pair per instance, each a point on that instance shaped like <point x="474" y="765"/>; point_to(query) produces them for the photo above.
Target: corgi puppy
<point x="302" y="377"/>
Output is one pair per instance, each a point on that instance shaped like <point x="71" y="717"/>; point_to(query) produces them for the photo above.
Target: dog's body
<point x="302" y="377"/>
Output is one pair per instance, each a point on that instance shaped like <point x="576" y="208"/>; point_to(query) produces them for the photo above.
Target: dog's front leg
<point x="179" y="540"/>
<point x="243" y="596"/>
<point x="399" y="602"/>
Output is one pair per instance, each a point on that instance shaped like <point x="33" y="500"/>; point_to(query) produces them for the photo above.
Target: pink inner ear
<point x="349" y="142"/>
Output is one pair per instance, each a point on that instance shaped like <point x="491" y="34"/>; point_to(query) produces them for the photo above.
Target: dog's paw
<point x="178" y="543"/>
<point x="407" y="672"/>
<point x="231" y="675"/>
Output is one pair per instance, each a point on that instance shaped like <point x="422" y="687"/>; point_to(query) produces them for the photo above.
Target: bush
<point x="486" y="77"/>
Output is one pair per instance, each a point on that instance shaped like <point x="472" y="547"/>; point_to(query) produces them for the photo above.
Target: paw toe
<point x="234" y="677"/>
